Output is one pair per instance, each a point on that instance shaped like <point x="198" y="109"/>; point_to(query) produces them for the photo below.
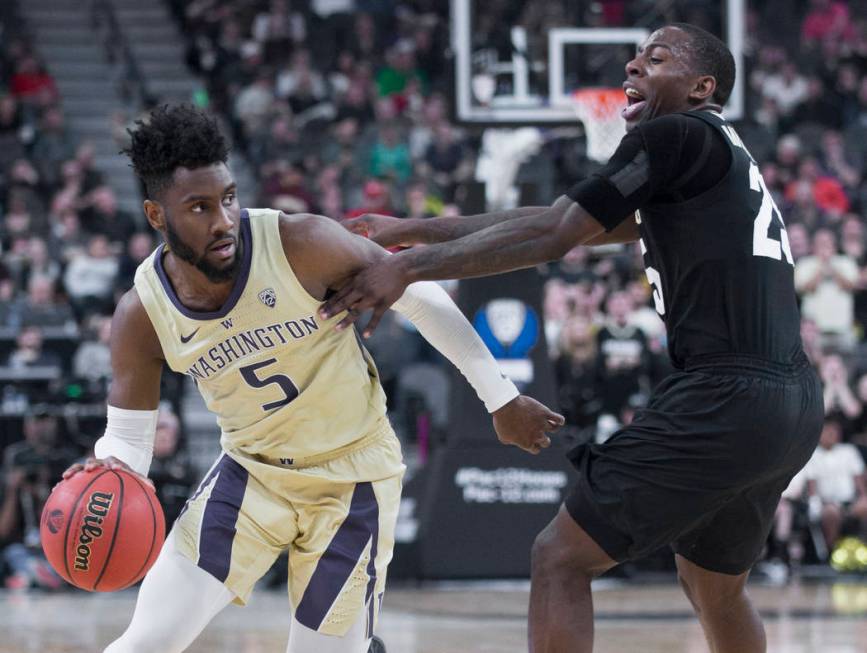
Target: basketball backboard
<point x="518" y="62"/>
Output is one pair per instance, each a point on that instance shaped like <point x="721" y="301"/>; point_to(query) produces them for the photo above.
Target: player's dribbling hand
<point x="110" y="463"/>
<point x="525" y="423"/>
<point x="377" y="286"/>
<point x="381" y="229"/>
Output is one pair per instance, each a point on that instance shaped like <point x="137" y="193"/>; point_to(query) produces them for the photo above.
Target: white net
<point x="599" y="110"/>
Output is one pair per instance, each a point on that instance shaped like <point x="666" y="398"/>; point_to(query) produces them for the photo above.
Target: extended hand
<point x="524" y="422"/>
<point x="109" y="463"/>
<point x="384" y="230"/>
<point x="377" y="286"/>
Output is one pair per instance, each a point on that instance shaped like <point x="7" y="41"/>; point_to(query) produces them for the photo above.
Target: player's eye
<point x="197" y="208"/>
<point x="655" y="60"/>
<point x="229" y="199"/>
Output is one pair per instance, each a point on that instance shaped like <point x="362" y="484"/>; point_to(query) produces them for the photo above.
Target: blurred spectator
<point x="32" y="84"/>
<point x="445" y="161"/>
<point x="53" y="145"/>
<point x="89" y="277"/>
<point x="92" y="360"/>
<point x="575" y="371"/>
<point x="40" y="262"/>
<point x="102" y="215"/>
<point x="826" y="280"/>
<point x="278" y="30"/>
<point x="827" y="20"/>
<point x="41" y="306"/>
<point x="137" y="250"/>
<point x="839" y="398"/>
<point x="622" y="363"/>
<point x="787" y="88"/>
<point x="288" y="190"/>
<point x="389" y="157"/>
<point x="836" y="485"/>
<point x="30" y="469"/>
<point x="28" y="351"/>
<point x="376" y="199"/>
<point x="254" y="102"/>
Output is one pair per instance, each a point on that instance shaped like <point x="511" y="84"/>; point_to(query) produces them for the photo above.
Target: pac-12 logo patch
<point x="268" y="297"/>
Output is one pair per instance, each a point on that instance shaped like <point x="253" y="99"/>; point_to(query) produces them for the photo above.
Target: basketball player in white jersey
<point x="309" y="462"/>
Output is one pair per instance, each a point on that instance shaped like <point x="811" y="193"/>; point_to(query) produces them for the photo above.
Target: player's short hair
<point x="710" y="56"/>
<point x="172" y="137"/>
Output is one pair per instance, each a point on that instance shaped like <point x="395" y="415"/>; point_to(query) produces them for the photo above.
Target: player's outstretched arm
<point x="136" y="363"/>
<point x="389" y="231"/>
<point x="512" y="245"/>
<point x="333" y="255"/>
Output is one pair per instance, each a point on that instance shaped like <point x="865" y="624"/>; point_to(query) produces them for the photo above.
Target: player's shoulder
<point x="306" y="229"/>
<point x="672" y="125"/>
<point x="132" y="324"/>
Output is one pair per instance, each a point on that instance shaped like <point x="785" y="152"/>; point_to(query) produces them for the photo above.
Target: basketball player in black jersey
<point x="702" y="466"/>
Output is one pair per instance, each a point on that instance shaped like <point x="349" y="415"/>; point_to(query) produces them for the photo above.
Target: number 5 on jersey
<point x="290" y="390"/>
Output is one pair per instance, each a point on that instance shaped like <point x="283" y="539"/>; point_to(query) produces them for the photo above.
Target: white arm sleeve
<point x="443" y="325"/>
<point x="129" y="436"/>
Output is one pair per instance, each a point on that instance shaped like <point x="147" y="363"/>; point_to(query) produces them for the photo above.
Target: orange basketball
<point x="102" y="530"/>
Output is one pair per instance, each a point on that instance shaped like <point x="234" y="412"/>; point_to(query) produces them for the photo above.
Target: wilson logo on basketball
<point x="91" y="529"/>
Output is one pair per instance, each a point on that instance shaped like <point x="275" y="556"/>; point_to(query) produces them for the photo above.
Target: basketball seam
<point x="71" y="519"/>
<point x="116" y="529"/>
<point x="153" y="537"/>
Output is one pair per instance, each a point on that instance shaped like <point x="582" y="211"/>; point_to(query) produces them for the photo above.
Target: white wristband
<point x="442" y="324"/>
<point x="129" y="437"/>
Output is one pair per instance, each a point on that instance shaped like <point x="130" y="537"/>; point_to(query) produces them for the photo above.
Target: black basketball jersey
<point x="720" y="266"/>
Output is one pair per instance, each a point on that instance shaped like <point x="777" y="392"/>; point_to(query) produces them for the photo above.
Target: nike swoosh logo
<point x="186" y="339"/>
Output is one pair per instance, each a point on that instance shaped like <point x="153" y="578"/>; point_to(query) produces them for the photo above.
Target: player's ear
<point x="155" y="215"/>
<point x="703" y="89"/>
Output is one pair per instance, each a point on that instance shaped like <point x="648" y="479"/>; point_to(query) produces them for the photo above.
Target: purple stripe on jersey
<point x="338" y="561"/>
<point x="202" y="485"/>
<point x="371" y="574"/>
<point x="246" y="241"/>
<point x="220" y="517"/>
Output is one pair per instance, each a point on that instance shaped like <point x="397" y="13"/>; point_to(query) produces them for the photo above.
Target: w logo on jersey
<point x="227" y="323"/>
<point x="268" y="297"/>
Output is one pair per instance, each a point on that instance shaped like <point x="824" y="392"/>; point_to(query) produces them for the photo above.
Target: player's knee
<point x="712" y="597"/>
<point x="551" y="556"/>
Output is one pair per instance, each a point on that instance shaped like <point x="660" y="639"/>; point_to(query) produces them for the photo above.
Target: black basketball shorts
<point x="702" y="467"/>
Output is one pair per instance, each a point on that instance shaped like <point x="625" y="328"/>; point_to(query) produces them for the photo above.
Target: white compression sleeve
<point x="176" y="601"/>
<point x="442" y="324"/>
<point x="129" y="436"/>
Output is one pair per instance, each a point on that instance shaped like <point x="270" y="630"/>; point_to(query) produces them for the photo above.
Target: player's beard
<point x="186" y="253"/>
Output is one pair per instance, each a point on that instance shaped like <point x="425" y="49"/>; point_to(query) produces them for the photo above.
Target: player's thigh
<point x="234" y="526"/>
<point x="709" y="591"/>
<point x="563" y="546"/>
<point x="730" y="540"/>
<point x="177" y="599"/>
<point x="338" y="562"/>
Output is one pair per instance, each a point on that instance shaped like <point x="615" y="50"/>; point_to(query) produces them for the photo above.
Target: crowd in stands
<point x="342" y="107"/>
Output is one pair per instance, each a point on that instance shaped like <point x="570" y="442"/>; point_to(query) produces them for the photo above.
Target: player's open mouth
<point x="635" y="103"/>
<point x="224" y="249"/>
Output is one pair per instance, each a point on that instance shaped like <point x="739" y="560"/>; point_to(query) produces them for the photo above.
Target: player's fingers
<point x="555" y="419"/>
<point x="544" y="442"/>
<point x="373" y="322"/>
<point x="337" y="303"/>
<point x="348" y="320"/>
<point x="358" y="226"/>
<point x="72" y="471"/>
